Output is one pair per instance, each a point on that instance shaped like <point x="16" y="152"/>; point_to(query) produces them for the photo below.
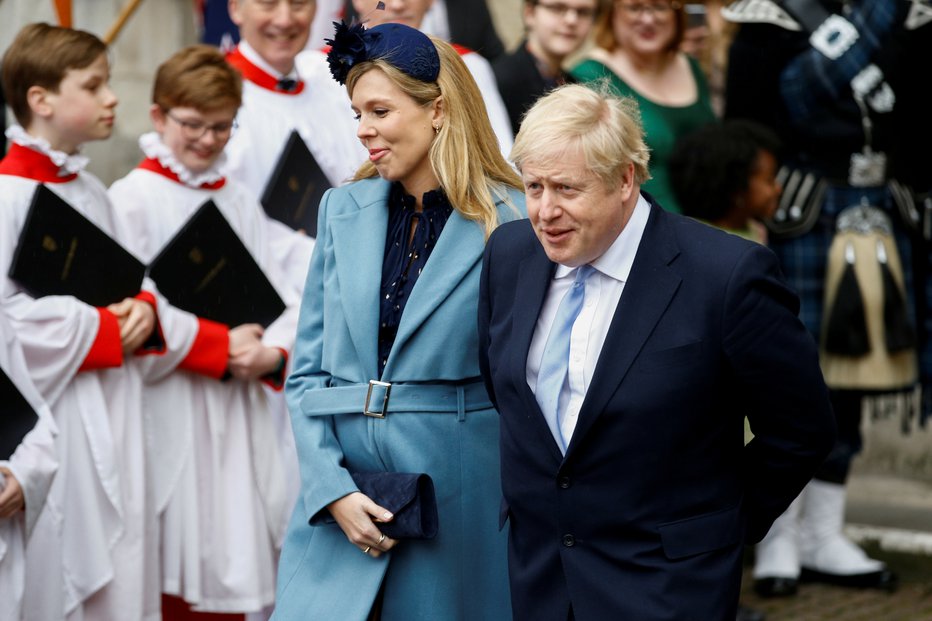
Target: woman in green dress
<point x="637" y="51"/>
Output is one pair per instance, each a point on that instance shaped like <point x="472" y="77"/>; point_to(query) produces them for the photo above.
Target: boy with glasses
<point x="219" y="483"/>
<point x="554" y="30"/>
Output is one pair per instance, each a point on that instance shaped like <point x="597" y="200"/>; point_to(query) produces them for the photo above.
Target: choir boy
<point x="94" y="559"/>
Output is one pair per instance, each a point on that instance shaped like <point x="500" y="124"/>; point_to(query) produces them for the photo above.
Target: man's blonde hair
<point x="465" y="155"/>
<point x="604" y="127"/>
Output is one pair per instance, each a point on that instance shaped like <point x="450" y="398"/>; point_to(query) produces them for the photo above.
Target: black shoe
<point x="749" y="614"/>
<point x="775" y="587"/>
<point x="884" y="579"/>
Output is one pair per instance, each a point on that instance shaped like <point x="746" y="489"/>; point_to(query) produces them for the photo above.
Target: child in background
<point x="725" y="174"/>
<point x="218" y="476"/>
<point x="91" y="549"/>
<point x="24" y="478"/>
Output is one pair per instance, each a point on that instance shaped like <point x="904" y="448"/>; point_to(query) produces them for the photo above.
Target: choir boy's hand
<point x="12" y="499"/>
<point x="137" y="321"/>
<point x="249" y="358"/>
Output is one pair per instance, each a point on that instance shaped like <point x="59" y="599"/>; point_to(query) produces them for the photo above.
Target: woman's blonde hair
<point x="604" y="127"/>
<point x="465" y="155"/>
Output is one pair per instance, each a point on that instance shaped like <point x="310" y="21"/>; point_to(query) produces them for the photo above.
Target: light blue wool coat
<point x="462" y="573"/>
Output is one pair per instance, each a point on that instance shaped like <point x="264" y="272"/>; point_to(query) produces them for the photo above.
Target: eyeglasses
<point x="296" y="5"/>
<point x="562" y="10"/>
<point x="195" y="130"/>
<point x="659" y="10"/>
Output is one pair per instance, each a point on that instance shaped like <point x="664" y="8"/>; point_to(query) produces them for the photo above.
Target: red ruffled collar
<point x="24" y="162"/>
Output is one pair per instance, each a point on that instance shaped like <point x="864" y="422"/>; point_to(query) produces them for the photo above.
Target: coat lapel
<point x="359" y="249"/>
<point x="458" y="250"/>
<point x="646" y="296"/>
<point x="534" y="277"/>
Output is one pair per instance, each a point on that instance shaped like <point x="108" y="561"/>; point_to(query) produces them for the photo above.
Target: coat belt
<point x="376" y="399"/>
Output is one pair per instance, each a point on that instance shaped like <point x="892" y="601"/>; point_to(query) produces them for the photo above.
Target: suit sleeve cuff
<point x="155" y="344"/>
<point x="107" y="349"/>
<point x="210" y="351"/>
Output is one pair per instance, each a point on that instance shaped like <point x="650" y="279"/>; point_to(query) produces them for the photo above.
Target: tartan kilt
<point x="803" y="260"/>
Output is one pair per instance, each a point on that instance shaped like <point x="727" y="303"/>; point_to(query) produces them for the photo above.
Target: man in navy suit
<point x="623" y="347"/>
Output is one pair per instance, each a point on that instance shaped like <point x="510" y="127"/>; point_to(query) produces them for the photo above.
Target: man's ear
<point x="38" y="99"/>
<point x="527" y="14"/>
<point x="234" y="9"/>
<point x="627" y="183"/>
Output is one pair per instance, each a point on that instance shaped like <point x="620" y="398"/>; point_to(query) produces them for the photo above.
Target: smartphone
<point x="695" y="14"/>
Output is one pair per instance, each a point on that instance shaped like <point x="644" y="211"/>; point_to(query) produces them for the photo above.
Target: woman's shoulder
<point x="597" y="67"/>
<point x="590" y="68"/>
<point x="356" y="194"/>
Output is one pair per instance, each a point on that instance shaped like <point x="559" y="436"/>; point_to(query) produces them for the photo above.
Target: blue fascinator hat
<point x="407" y="49"/>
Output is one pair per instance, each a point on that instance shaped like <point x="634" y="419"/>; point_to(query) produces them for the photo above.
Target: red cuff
<point x="155" y="344"/>
<point x="276" y="379"/>
<point x="210" y="351"/>
<point x="107" y="350"/>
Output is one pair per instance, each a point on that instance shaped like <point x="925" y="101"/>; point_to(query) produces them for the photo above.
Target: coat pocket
<point x="702" y="533"/>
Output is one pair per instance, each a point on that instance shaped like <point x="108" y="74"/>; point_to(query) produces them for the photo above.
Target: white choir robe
<point x="482" y="73"/>
<point x="33" y="463"/>
<point x="93" y="547"/>
<point x="321" y="114"/>
<point x="219" y="475"/>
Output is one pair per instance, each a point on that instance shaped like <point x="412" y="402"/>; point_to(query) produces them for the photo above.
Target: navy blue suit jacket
<point x="645" y="516"/>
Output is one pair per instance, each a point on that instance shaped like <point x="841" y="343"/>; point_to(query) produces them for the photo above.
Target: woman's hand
<point x="359" y="517"/>
<point x="136" y="319"/>
<point x="12" y="499"/>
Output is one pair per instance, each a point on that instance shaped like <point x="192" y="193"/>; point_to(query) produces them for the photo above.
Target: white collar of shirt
<point x="69" y="164"/>
<point x="152" y="145"/>
<point x="253" y="56"/>
<point x="616" y="262"/>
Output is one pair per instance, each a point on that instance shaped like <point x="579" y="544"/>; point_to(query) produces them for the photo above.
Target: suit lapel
<point x="646" y="296"/>
<point x="359" y="248"/>
<point x="534" y="277"/>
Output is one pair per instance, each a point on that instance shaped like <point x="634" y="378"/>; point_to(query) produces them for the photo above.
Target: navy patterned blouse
<point x="404" y="261"/>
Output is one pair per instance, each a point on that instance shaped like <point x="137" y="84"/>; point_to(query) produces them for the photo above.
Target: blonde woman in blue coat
<point x="392" y="296"/>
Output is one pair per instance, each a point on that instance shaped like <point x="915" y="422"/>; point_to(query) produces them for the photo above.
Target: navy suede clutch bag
<point x="409" y="496"/>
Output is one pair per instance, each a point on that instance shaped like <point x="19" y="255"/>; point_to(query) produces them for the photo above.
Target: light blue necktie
<point x="554" y="364"/>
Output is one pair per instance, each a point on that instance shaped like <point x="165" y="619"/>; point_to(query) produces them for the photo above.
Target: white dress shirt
<point x="603" y="292"/>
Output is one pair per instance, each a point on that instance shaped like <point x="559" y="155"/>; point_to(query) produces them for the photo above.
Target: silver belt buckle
<point x="388" y="389"/>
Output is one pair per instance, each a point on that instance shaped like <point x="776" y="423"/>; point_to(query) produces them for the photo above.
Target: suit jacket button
<point x="563" y="482"/>
<point x="569" y="541"/>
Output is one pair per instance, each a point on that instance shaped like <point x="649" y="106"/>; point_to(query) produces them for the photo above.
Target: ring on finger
<point x="366" y="551"/>
<point x="381" y="538"/>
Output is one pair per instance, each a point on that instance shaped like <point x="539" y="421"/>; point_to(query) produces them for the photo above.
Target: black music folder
<point x="60" y="252"/>
<point x="205" y="269"/>
<point x="295" y="187"/>
<point x="17" y="418"/>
